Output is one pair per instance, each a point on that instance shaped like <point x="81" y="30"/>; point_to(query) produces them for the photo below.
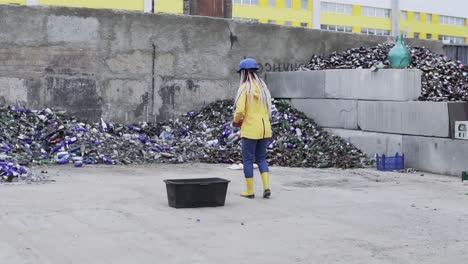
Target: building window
<point x="246" y="2"/>
<point x="417" y="17"/>
<point x="288" y="23"/>
<point x="345" y="9"/>
<point x="448" y="20"/>
<point x="452" y="40"/>
<point x="272" y="3"/>
<point x="304" y="24"/>
<point x="375" y="12"/>
<point x="271" y="21"/>
<point x="304" y="4"/>
<point x="404" y="15"/>
<point x="416" y="35"/>
<point x="429" y="18"/>
<point x="336" y="28"/>
<point x="288" y="3"/>
<point x="374" y="31"/>
<point x="428" y="36"/>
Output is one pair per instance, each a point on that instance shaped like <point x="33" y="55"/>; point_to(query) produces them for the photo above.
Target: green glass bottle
<point x="399" y="56"/>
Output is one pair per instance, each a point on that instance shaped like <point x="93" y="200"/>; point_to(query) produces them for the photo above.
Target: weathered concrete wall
<point x="131" y="66"/>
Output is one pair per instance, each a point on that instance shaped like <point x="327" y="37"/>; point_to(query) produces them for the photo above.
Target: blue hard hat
<point x="248" y="64"/>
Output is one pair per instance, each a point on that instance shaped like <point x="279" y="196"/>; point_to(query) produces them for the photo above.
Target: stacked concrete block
<point x="370" y="142"/>
<point x="391" y="85"/>
<point x="296" y="85"/>
<point x="408" y="118"/>
<point x="388" y="85"/>
<point x="437" y="155"/>
<point x="329" y="112"/>
<point x="379" y="113"/>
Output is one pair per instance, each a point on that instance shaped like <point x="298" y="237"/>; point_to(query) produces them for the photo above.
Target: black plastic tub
<point x="194" y="193"/>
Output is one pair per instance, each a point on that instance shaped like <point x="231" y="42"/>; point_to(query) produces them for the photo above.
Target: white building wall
<point x="458" y="8"/>
<point x="374" y="3"/>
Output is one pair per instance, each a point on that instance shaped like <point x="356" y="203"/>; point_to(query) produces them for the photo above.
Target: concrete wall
<point x="126" y="66"/>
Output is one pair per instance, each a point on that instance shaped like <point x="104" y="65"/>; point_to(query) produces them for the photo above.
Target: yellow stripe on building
<point x="170" y="6"/>
<point x="135" y="5"/>
<point x="279" y="14"/>
<point x="12" y="2"/>
<point x="434" y="28"/>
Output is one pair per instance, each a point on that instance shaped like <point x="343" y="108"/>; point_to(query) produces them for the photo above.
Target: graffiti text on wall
<point x="278" y="67"/>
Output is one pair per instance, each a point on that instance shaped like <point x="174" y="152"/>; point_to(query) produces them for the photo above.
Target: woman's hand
<point x="237" y="124"/>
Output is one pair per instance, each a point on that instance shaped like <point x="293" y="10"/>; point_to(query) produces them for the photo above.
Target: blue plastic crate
<point x="396" y="163"/>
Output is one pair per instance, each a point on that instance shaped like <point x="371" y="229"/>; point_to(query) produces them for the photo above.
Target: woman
<point x="252" y="115"/>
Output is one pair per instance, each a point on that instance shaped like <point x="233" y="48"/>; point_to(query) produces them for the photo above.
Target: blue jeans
<point x="254" y="149"/>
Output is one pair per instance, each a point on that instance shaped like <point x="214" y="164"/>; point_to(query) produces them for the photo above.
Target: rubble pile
<point x="442" y="79"/>
<point x="297" y="141"/>
<point x="46" y="137"/>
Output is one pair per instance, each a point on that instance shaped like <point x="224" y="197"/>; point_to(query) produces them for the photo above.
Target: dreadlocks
<point x="247" y="81"/>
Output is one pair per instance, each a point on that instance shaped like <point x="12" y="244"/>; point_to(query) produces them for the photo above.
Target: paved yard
<point x="119" y="215"/>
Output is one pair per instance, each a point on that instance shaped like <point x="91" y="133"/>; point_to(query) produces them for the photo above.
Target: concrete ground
<point x="120" y="215"/>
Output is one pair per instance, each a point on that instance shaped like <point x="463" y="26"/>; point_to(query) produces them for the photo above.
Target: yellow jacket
<point x="255" y="116"/>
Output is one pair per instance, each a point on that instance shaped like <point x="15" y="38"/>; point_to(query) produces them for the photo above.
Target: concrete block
<point x="164" y="64"/>
<point x="132" y="63"/>
<point x="73" y="29"/>
<point x="371" y="143"/>
<point x="437" y="155"/>
<point x="13" y="90"/>
<point x="296" y="85"/>
<point x="329" y="112"/>
<point x="20" y="27"/>
<point x="79" y="96"/>
<point x="126" y="100"/>
<point x="57" y="60"/>
<point x="409" y="118"/>
<point x="176" y="97"/>
<point x="385" y="85"/>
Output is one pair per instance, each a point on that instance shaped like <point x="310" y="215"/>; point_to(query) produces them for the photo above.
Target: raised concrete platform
<point x="329" y="112"/>
<point x="409" y="118"/>
<point x="386" y="85"/>
<point x="437" y="155"/>
<point x="371" y="143"/>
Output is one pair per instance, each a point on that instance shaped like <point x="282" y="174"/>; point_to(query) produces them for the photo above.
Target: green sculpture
<point x="399" y="56"/>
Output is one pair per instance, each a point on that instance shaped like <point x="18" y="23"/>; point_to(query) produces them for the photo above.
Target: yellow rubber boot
<point x="250" y="190"/>
<point x="266" y="185"/>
